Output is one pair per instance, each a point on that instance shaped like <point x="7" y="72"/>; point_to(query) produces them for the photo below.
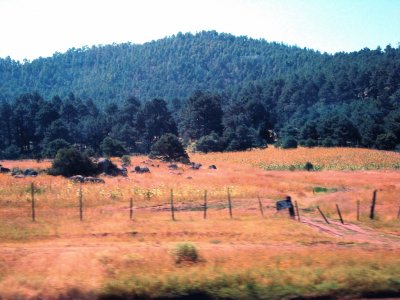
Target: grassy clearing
<point x="108" y="255"/>
<point x="352" y="159"/>
<point x="21" y="230"/>
<point x="278" y="277"/>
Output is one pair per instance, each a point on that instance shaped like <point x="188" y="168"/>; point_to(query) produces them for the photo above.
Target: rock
<point x="16" y="171"/>
<point x="141" y="170"/>
<point x="124" y="171"/>
<point x="30" y="172"/>
<point x="106" y="166"/>
<point x="19" y="176"/>
<point x="94" y="180"/>
<point x="212" y="167"/>
<point x="77" y="178"/>
<point x="82" y="179"/>
<point x="173" y="167"/>
<point x="195" y="166"/>
<point x="4" y="170"/>
<point x="189" y="177"/>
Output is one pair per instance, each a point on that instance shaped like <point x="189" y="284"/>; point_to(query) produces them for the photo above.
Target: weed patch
<point x="185" y="253"/>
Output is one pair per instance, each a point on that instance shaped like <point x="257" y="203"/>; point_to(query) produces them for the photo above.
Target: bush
<point x="319" y="189"/>
<point x="111" y="147"/>
<point x="328" y="142"/>
<point x="16" y="171"/>
<point x="186" y="253"/>
<point x="308" y="166"/>
<point x="126" y="160"/>
<point x="169" y="147"/>
<point x="52" y="147"/>
<point x="289" y="143"/>
<point x="69" y="162"/>
<point x="310" y="143"/>
<point x="11" y="152"/>
<point x="209" y="143"/>
<point x="386" y="141"/>
<point x="89" y="151"/>
<point x="233" y="145"/>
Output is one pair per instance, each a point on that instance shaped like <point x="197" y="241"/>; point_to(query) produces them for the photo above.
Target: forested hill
<point x="217" y="91"/>
<point x="173" y="67"/>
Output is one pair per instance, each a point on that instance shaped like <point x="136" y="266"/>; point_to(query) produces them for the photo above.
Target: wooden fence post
<point x="131" y="208"/>
<point x="297" y="211"/>
<point x="80" y="203"/>
<point x="205" y="205"/>
<point x="229" y="203"/>
<point x="261" y="206"/>
<point x="291" y="208"/>
<point x="322" y="214"/>
<point x="33" y="201"/>
<point x="372" y="214"/>
<point x="172" y="205"/>
<point x="148" y="195"/>
<point x="340" y="214"/>
<point x="358" y="210"/>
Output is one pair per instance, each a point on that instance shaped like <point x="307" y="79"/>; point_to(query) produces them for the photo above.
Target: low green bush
<point x="186" y="253"/>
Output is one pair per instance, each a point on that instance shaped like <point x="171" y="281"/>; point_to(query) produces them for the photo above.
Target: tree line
<point x="31" y="126"/>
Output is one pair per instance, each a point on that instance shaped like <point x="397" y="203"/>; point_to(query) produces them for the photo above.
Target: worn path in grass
<point x="353" y="232"/>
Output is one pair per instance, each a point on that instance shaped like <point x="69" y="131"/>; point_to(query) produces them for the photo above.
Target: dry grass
<point x="246" y="257"/>
<point x="322" y="158"/>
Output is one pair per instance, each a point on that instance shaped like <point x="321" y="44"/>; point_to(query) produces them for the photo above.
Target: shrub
<point x="328" y="142"/>
<point x="319" y="189"/>
<point x="310" y="143"/>
<point x="289" y="143"/>
<point x="186" y="253"/>
<point x="308" y="166"/>
<point x="126" y="160"/>
<point x="89" y="151"/>
<point x="52" y="147"/>
<point x="386" y="141"/>
<point x="209" y="143"/>
<point x="11" y="152"/>
<point x="169" y="147"/>
<point x="16" y="171"/>
<point x="69" y="162"/>
<point x="111" y="147"/>
<point x="233" y="145"/>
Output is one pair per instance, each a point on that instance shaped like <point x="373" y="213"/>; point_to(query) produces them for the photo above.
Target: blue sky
<point x="30" y="29"/>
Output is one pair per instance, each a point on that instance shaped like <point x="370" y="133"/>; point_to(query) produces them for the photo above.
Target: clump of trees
<point x="169" y="148"/>
<point x="70" y="161"/>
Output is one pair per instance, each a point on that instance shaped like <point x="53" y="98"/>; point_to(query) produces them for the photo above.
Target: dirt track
<point x="353" y="232"/>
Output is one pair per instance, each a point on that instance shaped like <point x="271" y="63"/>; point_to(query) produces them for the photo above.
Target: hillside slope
<point x="171" y="67"/>
<point x="229" y="93"/>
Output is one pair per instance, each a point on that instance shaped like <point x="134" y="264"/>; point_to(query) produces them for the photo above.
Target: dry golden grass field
<point x="249" y="256"/>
